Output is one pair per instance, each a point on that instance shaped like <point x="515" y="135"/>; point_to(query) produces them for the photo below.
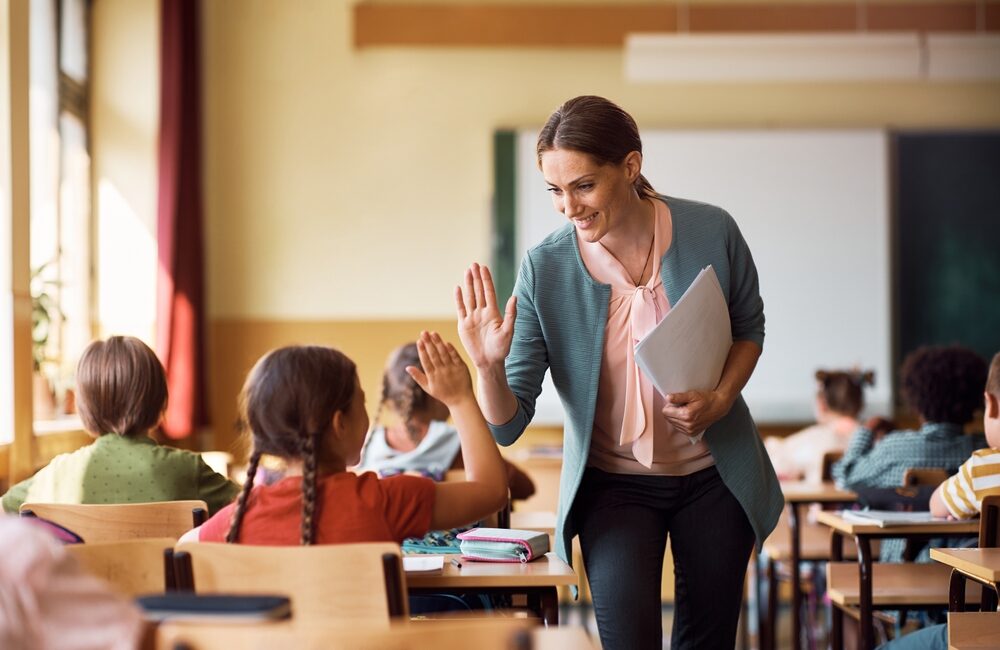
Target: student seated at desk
<point x="839" y="399"/>
<point x="421" y="440"/>
<point x="942" y="384"/>
<point x="305" y="405"/>
<point x="961" y="496"/>
<point x="121" y="396"/>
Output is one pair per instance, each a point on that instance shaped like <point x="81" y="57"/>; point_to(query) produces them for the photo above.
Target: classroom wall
<point x="346" y="191"/>
<point x="124" y="122"/>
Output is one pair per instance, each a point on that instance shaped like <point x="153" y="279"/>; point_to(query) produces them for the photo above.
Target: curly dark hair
<point x="943" y="383"/>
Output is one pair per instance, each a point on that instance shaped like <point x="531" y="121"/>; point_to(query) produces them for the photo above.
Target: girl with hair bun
<point x="839" y="401"/>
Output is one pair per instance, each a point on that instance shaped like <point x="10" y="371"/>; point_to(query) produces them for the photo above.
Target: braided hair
<point x="287" y="405"/>
<point x="401" y="392"/>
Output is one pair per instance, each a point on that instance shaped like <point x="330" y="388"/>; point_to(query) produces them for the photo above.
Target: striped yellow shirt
<point x="977" y="478"/>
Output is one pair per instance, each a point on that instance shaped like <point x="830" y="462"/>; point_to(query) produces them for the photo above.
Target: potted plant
<point x="44" y="310"/>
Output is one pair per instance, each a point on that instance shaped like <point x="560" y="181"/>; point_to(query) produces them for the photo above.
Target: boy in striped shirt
<point x="961" y="496"/>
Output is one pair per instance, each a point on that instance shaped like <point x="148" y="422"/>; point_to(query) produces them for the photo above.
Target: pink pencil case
<point x="503" y="545"/>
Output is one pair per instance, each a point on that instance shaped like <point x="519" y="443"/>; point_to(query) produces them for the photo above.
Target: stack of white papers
<point x="687" y="350"/>
<point x="885" y="518"/>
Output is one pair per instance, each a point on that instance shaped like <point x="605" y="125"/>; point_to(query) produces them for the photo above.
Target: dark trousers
<point x="623" y="521"/>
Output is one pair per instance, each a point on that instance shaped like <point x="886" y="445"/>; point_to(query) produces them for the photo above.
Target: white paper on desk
<point x="687" y="350"/>
<point x="886" y="518"/>
<point x="422" y="563"/>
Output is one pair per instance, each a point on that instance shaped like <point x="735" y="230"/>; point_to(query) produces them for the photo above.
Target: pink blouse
<point x="631" y="436"/>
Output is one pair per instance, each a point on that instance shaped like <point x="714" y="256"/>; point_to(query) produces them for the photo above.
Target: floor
<point x="583" y="615"/>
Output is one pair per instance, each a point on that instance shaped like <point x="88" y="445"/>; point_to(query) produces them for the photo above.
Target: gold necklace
<point x="649" y="256"/>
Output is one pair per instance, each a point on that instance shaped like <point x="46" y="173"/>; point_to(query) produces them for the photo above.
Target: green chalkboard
<point x="947" y="240"/>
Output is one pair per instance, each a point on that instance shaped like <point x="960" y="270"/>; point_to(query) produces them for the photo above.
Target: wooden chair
<point x="482" y="634"/>
<point x="336" y="582"/>
<point x="989" y="537"/>
<point x="829" y="458"/>
<point x="122" y="521"/>
<point x="134" y="567"/>
<point x="916" y="476"/>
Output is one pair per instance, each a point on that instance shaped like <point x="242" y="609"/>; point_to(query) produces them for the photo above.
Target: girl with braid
<point x="306" y="406"/>
<point x="418" y="437"/>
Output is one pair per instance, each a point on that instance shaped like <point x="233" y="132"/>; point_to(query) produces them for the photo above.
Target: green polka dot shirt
<point x="124" y="469"/>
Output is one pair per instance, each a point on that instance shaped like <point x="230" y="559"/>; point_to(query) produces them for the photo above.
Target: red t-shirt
<point x="349" y="508"/>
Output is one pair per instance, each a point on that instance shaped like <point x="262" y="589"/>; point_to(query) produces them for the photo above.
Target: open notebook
<point x="886" y="518"/>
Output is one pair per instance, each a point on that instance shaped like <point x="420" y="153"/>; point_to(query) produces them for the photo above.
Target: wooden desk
<point x="537" y="579"/>
<point x="863" y="534"/>
<point x="973" y="630"/>
<point x="797" y="495"/>
<point x="979" y="564"/>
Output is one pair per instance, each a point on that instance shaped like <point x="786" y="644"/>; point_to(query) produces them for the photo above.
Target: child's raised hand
<point x="445" y="376"/>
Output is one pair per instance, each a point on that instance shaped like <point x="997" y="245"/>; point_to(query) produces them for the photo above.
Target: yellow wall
<point x="125" y="69"/>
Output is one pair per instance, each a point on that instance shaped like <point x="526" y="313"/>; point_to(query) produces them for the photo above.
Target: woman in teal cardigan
<point x="634" y="467"/>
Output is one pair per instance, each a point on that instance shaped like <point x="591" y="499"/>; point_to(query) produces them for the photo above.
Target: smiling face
<point x="594" y="197"/>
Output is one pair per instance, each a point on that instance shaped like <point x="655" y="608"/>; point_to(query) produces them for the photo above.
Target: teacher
<point x="634" y="469"/>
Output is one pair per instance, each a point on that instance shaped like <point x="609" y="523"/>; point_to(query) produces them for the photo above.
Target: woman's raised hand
<point x="445" y="376"/>
<point x="485" y="333"/>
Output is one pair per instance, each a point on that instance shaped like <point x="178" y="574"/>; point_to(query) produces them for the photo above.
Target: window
<point x="61" y="231"/>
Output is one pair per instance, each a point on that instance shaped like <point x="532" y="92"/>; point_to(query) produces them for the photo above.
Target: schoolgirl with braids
<point x="306" y="406"/>
<point x="417" y="437"/>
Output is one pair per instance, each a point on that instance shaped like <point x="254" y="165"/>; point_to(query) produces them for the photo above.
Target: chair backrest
<point x="989" y="522"/>
<point x="345" y="582"/>
<point x="924" y="476"/>
<point x="134" y="567"/>
<point x="480" y="633"/>
<point x="826" y="468"/>
<point x="122" y="521"/>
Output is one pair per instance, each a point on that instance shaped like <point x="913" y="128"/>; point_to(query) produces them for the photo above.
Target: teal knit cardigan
<point x="561" y="315"/>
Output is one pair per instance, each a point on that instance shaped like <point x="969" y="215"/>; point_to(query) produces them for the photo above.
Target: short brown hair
<point x="121" y="387"/>
<point x="993" y="379"/>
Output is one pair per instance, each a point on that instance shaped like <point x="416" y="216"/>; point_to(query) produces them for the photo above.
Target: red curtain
<point x="180" y="279"/>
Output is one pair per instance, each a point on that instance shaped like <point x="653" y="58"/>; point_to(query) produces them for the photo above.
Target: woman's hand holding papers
<point x="693" y="411"/>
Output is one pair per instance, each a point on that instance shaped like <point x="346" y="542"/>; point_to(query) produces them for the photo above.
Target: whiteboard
<point x="813" y="206"/>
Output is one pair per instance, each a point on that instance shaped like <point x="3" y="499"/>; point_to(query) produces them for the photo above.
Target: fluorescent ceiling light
<point x="800" y="57"/>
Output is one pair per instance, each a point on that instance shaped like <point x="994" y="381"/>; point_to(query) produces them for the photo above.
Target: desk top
<point x="973" y="630"/>
<point x="547" y="571"/>
<point x="983" y="563"/>
<point x="806" y="492"/>
<point x="850" y="527"/>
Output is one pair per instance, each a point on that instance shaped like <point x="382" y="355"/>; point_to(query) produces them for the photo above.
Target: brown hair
<point x="400" y="391"/>
<point x="121" y="387"/>
<point x="597" y="127"/>
<point x="287" y="404"/>
<point x="993" y="378"/>
<point x="843" y="390"/>
<point x="943" y="383"/>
